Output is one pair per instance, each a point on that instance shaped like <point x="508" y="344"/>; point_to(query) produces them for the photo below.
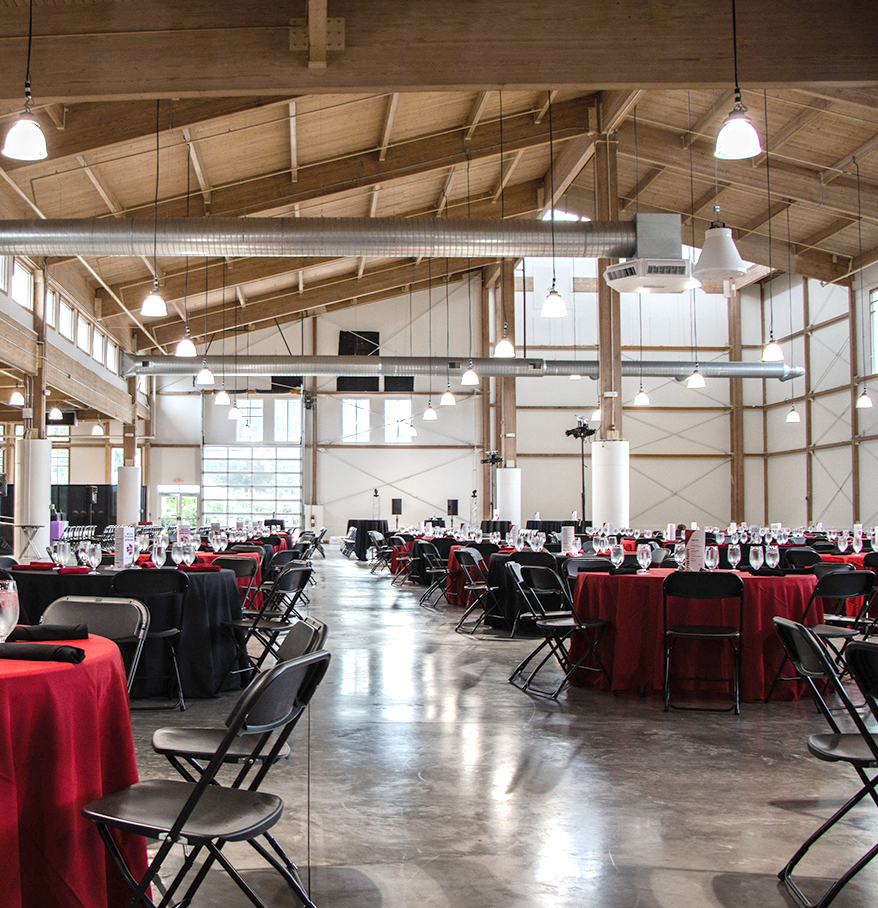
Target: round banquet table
<point x="362" y="543"/>
<point x="66" y="734"/>
<point x="205" y="649"/>
<point x="854" y="558"/>
<point x="632" y="646"/>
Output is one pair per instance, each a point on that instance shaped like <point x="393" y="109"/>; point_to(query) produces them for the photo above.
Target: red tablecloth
<point x="243" y="583"/>
<point x="454" y="591"/>
<point x="632" y="647"/>
<point x="848" y="558"/>
<point x="66" y="734"/>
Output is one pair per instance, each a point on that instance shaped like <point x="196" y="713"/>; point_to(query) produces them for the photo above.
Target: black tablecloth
<point x="496" y="526"/>
<point x="205" y="650"/>
<point x="363" y="526"/>
<point x="507" y="596"/>
<point x="550" y="526"/>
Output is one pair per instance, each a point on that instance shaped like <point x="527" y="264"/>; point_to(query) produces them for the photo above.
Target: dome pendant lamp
<point x="25" y="140"/>
<point x="737" y="139"/>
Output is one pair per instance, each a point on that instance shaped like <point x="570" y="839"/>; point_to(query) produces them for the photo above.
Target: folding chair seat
<point x="164" y="595"/>
<point x="124" y="621"/>
<point x="318" y="541"/>
<point x="481" y="594"/>
<point x="547" y="599"/>
<point x="838" y="587"/>
<point x="203" y="815"/>
<point x="278" y="563"/>
<point x="263" y="629"/>
<point x="244" y="569"/>
<point x="859" y="749"/>
<point x="403" y="559"/>
<point x="435" y="569"/>
<point x="711" y="589"/>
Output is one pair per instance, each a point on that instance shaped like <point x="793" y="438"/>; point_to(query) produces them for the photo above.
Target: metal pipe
<point x="424" y="365"/>
<point x="279" y="237"/>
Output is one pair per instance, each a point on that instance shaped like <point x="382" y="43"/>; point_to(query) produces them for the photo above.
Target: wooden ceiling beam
<point x="543" y="109"/>
<point x="658" y="146"/>
<point x="294" y="144"/>
<point x="836" y="170"/>
<point x="644" y="183"/>
<point x="386" y="131"/>
<point x="200" y="174"/>
<point x="613" y="107"/>
<point x="861" y="97"/>
<point x="762" y="218"/>
<point x="721" y="106"/>
<point x="317" y="23"/>
<point x="708" y="197"/>
<point x="575" y="154"/>
<point x="815" y="239"/>
<point x="785" y="133"/>
<point x="506" y="174"/>
<point x="443" y="195"/>
<point x="476" y="114"/>
<point x="341" y="289"/>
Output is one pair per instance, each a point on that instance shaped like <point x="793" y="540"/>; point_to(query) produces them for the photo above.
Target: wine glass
<point x="857" y="543"/>
<point x="177" y="552"/>
<point x="189" y="552"/>
<point x="55" y="553"/>
<point x="734" y="555"/>
<point x="158" y="551"/>
<point x="519" y="542"/>
<point x="735" y="537"/>
<point x="617" y="555"/>
<point x="82" y="552"/>
<point x="720" y="537"/>
<point x="757" y="557"/>
<point x="680" y="554"/>
<point x="711" y="557"/>
<point x="8" y="608"/>
<point x="224" y="541"/>
<point x="94" y="556"/>
<point x="644" y="558"/>
<point x="772" y="556"/>
<point x="842" y="543"/>
<point x="784" y="536"/>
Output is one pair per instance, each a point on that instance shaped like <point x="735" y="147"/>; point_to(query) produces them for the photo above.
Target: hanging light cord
<point x="469" y="286"/>
<point x="867" y="346"/>
<point x="735" y="51"/>
<point x="524" y="308"/>
<point x="430" y="323"/>
<point x="640" y="322"/>
<point x="637" y="169"/>
<point x="692" y="232"/>
<point x="447" y="322"/>
<point x="790" y="294"/>
<point x="225" y="283"/>
<point x="768" y="187"/>
<point x="552" y="173"/>
<point x="186" y="278"/>
<point x="155" y="210"/>
<point x="502" y="216"/>
<point x="28" y="100"/>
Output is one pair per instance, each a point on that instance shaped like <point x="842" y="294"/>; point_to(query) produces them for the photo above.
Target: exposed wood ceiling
<point x="405" y="121"/>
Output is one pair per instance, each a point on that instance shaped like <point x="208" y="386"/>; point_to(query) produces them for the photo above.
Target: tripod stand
<point x="581" y="431"/>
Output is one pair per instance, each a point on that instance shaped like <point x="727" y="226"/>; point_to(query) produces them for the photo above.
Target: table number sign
<point x="123" y="539"/>
<point x="567" y="539"/>
<point x="184" y="532"/>
<point x="695" y="550"/>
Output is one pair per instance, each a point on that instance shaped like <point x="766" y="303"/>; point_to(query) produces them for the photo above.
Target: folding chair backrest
<point x="7" y="561"/>
<point x="305" y="636"/>
<point x="471" y="563"/>
<point x="292" y="579"/>
<point x="485" y="549"/>
<point x="576" y="566"/>
<point x="845" y="585"/>
<point x="541" y="559"/>
<point x="703" y="585"/>
<point x="119" y="620"/>
<point x="547" y="588"/>
<point x="806" y="652"/>
<point x="870" y="561"/>
<point x="279" y="560"/>
<point x="830" y="567"/>
<point x="800" y="556"/>
<point x="244" y="567"/>
<point x="162" y="592"/>
<point x="862" y="661"/>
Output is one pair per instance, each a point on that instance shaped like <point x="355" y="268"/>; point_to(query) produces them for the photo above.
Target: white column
<point x="610" y="483"/>
<point x="509" y="494"/>
<point x="128" y="496"/>
<point x="33" y="486"/>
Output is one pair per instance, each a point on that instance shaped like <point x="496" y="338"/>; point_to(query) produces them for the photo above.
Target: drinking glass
<point x="82" y="552"/>
<point x="680" y="554"/>
<point x="720" y="537"/>
<point x="177" y="552"/>
<point x="857" y="543"/>
<point x="757" y="557"/>
<point x="189" y="550"/>
<point x="56" y="553"/>
<point x="224" y="541"/>
<point x="8" y="608"/>
<point x="94" y="556"/>
<point x="766" y="533"/>
<point x="158" y="551"/>
<point x="711" y="557"/>
<point x="735" y="537"/>
<point x="644" y="558"/>
<point x="772" y="556"/>
<point x="734" y="555"/>
<point x="842" y="543"/>
<point x="519" y="542"/>
<point x="617" y="555"/>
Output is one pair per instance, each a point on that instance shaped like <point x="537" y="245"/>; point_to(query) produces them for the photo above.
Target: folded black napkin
<point x="40" y="652"/>
<point x="34" y="633"/>
<point x="770" y="572"/>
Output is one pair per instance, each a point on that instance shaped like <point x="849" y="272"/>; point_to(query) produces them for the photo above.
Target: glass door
<point x="178" y="507"/>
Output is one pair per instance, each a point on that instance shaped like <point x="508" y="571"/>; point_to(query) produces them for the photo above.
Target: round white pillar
<point x="128" y="496"/>
<point x="610" y="483"/>
<point x="509" y="494"/>
<point x="33" y="487"/>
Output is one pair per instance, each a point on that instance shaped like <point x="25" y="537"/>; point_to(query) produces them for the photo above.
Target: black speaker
<point x="396" y="506"/>
<point x="3" y="486"/>
<point x="451" y="510"/>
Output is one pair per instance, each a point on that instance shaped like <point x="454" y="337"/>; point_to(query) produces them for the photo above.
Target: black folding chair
<point x="435" y="569"/>
<point x="403" y="558"/>
<point x="859" y="749"/>
<point x="163" y="592"/>
<point x="575" y="566"/>
<point x="838" y="587"/>
<point x="205" y="814"/>
<point x="382" y="552"/>
<point x="800" y="557"/>
<point x="547" y="600"/>
<point x="124" y="621"/>
<point x="244" y="568"/>
<point x="481" y="594"/>
<point x="710" y="588"/>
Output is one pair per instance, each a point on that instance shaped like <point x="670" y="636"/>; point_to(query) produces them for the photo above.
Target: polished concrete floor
<point x="422" y="778"/>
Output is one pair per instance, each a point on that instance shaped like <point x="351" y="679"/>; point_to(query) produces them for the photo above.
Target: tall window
<point x="288" y="420"/>
<point x="51" y="300"/>
<point x="252" y="483"/>
<point x="65" y="319"/>
<point x="111" y="356"/>
<point x="83" y="334"/>
<point x="60" y="466"/>
<point x="97" y="346"/>
<point x="356" y="417"/>
<point x="22" y="286"/>
<point x="397" y="421"/>
<point x="871" y="366"/>
<point x="251" y="415"/>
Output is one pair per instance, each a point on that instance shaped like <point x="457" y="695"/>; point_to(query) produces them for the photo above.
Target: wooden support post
<point x="736" y="414"/>
<point x="129" y="429"/>
<point x="489" y="442"/>
<point x="504" y="297"/>
<point x="609" y="334"/>
<point x="809" y="454"/>
<point x="37" y="398"/>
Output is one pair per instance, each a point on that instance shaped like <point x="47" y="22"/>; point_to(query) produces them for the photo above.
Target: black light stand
<point x="581" y="431"/>
<point x="493" y="459"/>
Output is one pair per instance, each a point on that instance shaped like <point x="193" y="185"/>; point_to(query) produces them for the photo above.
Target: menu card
<point x="123" y="539"/>
<point x="567" y="539"/>
<point x="671" y="532"/>
<point x="695" y="550"/>
<point x="184" y="532"/>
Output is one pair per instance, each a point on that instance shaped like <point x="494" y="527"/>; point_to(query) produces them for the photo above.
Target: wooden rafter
<point x="543" y="109"/>
<point x="508" y="169"/>
<point x="294" y="145"/>
<point x="721" y="105"/>
<point x="317" y="23"/>
<point x="645" y="181"/>
<point x="708" y="197"/>
<point x="197" y="166"/>
<point x="389" y="115"/>
<point x="835" y="170"/>
<point x="763" y="217"/>
<point x="785" y="133"/>
<point x="443" y="195"/>
<point x="815" y="239"/>
<point x="475" y="114"/>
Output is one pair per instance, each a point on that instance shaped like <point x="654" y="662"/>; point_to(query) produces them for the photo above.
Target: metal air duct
<point x="424" y="365"/>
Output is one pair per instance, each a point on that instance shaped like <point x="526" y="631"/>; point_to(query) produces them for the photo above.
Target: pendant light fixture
<point x="413" y="432"/>
<point x="55" y="415"/>
<point x="25" y="140"/>
<point x="97" y="429"/>
<point x="16" y="399"/>
<point x="447" y="399"/>
<point x="719" y="259"/>
<point x="696" y="379"/>
<point x="642" y="398"/>
<point x="185" y="348"/>
<point x="154" y="305"/>
<point x="773" y="352"/>
<point x="430" y="413"/>
<point x="793" y="415"/>
<point x="596" y="416"/>
<point x="737" y="139"/>
<point x="246" y="430"/>
<point x="864" y="401"/>
<point x="553" y="305"/>
<point x="470" y="376"/>
<point x="221" y="398"/>
<point x="503" y="349"/>
<point x="234" y="412"/>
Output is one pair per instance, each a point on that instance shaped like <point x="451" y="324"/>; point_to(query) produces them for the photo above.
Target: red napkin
<point x="73" y="570"/>
<point x="36" y="566"/>
<point x="198" y="568"/>
<point x="146" y="564"/>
